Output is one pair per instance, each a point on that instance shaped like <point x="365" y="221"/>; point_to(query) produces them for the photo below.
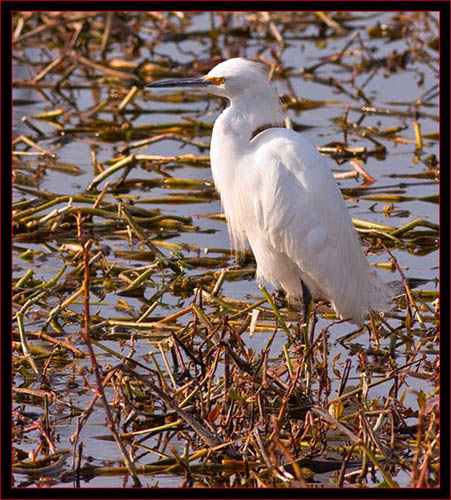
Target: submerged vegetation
<point x="130" y="309"/>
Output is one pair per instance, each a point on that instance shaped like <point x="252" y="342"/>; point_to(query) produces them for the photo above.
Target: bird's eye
<point x="215" y="80"/>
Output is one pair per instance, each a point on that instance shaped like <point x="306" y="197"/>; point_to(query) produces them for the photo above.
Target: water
<point x="396" y="90"/>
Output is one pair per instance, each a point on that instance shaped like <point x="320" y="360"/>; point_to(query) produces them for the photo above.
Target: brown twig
<point x="86" y="246"/>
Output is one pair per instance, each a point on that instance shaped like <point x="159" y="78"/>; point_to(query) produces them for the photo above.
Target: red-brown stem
<point x="86" y="246"/>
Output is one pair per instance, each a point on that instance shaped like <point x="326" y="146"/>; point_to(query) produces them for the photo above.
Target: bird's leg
<point x="306" y="300"/>
<point x="280" y="298"/>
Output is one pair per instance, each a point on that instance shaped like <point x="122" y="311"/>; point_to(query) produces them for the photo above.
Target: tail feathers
<point x="371" y="295"/>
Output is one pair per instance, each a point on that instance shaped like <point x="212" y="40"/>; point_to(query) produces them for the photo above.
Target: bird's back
<point x="303" y="216"/>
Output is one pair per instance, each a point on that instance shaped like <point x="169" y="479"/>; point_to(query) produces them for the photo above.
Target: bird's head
<point x="232" y="78"/>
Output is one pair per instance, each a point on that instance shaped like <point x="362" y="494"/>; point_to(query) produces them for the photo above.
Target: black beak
<point x="180" y="82"/>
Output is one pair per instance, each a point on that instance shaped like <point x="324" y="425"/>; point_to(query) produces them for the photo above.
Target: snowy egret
<point x="279" y="194"/>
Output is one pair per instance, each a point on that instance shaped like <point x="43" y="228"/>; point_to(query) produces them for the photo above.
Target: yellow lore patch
<point x="216" y="80"/>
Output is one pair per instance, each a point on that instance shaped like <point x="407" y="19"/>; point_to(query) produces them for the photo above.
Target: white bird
<point x="279" y="194"/>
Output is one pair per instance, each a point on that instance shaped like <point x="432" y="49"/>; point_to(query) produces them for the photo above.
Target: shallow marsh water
<point x="382" y="77"/>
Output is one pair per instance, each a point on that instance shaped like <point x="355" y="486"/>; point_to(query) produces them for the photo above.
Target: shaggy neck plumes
<point x="242" y="119"/>
<point x="233" y="132"/>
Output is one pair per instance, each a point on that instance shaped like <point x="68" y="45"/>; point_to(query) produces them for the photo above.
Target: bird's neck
<point x="242" y="120"/>
<point x="231" y="152"/>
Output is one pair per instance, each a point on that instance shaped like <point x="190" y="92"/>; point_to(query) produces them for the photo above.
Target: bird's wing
<point x="300" y="211"/>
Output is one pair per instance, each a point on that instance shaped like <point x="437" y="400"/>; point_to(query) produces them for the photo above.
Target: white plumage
<point x="279" y="194"/>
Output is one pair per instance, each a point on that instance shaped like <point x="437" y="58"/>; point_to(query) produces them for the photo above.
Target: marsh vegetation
<point x="144" y="352"/>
